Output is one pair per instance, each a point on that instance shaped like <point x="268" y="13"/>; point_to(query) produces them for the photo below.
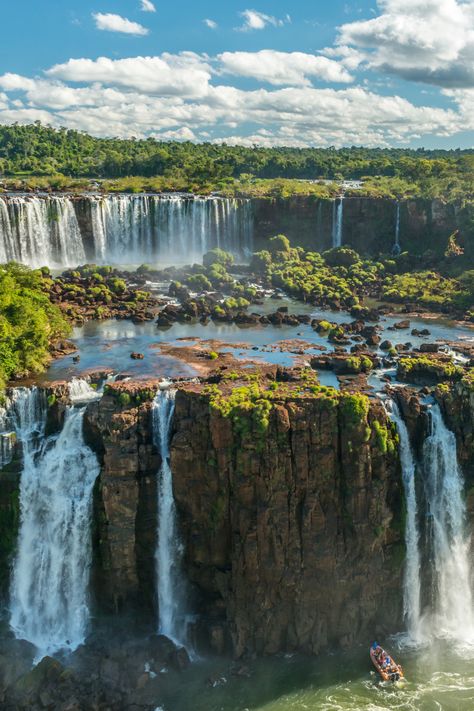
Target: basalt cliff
<point x="293" y="535"/>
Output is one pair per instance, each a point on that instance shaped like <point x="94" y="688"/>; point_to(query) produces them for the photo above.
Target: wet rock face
<point x="111" y="673"/>
<point x="293" y="541"/>
<point x="125" y="501"/>
<point x="369" y="224"/>
<point x="457" y="404"/>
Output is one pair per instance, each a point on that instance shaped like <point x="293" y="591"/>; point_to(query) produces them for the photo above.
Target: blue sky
<point x="385" y="72"/>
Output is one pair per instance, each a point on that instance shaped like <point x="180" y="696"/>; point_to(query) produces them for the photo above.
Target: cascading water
<point x="337" y="221"/>
<point x="121" y="229"/>
<point x="7" y="436"/>
<point x="170" y="586"/>
<point x="412" y="582"/>
<point x="452" y="615"/>
<point x="40" y="231"/>
<point x="49" y="600"/>
<point x="396" y="247"/>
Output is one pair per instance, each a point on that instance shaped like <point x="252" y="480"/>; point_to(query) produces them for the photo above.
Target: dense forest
<point x="38" y="150"/>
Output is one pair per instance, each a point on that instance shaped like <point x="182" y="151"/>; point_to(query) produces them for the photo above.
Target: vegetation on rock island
<point x="428" y="369"/>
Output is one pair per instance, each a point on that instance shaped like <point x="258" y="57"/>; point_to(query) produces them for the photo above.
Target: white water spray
<point x="49" y="589"/>
<point x="170" y="587"/>
<point x="122" y="229"/>
<point x="412" y="582"/>
<point x="453" y="615"/>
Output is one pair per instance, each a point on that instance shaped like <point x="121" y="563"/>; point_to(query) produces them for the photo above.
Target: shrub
<point x="341" y="257"/>
<point x="124" y="399"/>
<point x="279" y="243"/>
<point x="218" y="256"/>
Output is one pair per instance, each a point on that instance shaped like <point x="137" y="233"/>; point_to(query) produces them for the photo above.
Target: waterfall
<point x="40" y="231"/>
<point x="170" y="587"/>
<point x="319" y="224"/>
<point x="49" y="589"/>
<point x="411" y="583"/>
<point x="7" y="436"/>
<point x="397" y="227"/>
<point x="337" y="222"/>
<point x="453" y="616"/>
<point x="121" y="229"/>
<point x="396" y="247"/>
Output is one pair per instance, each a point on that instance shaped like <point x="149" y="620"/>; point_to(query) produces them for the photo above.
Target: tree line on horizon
<point x="42" y="150"/>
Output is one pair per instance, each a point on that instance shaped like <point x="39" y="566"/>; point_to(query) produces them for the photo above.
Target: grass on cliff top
<point x="249" y="404"/>
<point x="251" y="399"/>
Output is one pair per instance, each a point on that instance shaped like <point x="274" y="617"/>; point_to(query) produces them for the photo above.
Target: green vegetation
<point x="124" y="399"/>
<point x="422" y="369"/>
<point x="431" y="289"/>
<point x="249" y="404"/>
<point x="28" y="322"/>
<point x="310" y="276"/>
<point x="341" y="278"/>
<point x="40" y="156"/>
<point x="358" y="364"/>
<point x="355" y="407"/>
<point x="386" y="437"/>
<point x="99" y="288"/>
<point x="468" y="378"/>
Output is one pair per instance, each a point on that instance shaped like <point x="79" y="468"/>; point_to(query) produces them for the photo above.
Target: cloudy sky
<point x="271" y="72"/>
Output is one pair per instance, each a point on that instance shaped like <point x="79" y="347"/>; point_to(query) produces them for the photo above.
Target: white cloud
<point x="430" y="41"/>
<point x="212" y="24"/>
<point x="283" y="68"/>
<point x="26" y="116"/>
<point x="115" y="23"/>
<point x="16" y="82"/>
<point x="180" y="134"/>
<point x="147" y="6"/>
<point x="185" y="74"/>
<point x="254" y="20"/>
<point x="191" y="97"/>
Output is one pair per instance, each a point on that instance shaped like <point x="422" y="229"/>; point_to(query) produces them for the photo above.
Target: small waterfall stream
<point x="170" y="585"/>
<point x="49" y="588"/>
<point x="452" y="614"/>
<point x="337" y="222"/>
<point x="396" y="247"/>
<point x="411" y="582"/>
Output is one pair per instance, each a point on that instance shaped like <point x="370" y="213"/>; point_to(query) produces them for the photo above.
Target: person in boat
<point x="378" y="652"/>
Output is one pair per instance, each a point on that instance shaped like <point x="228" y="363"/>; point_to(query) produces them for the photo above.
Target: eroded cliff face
<point x="125" y="500"/>
<point x="293" y="541"/>
<point x="458" y="408"/>
<point x="293" y="536"/>
<point x="369" y="224"/>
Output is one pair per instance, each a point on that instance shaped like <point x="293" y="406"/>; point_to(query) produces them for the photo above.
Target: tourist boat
<point x="392" y="673"/>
